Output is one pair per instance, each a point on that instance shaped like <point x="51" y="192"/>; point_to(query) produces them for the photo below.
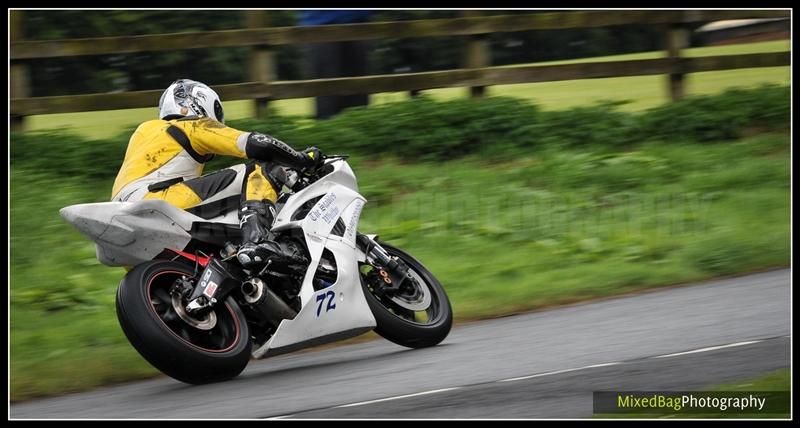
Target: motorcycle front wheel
<point x="417" y="317"/>
<point x="188" y="348"/>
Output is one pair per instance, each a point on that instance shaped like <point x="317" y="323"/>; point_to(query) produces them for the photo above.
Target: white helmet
<point x="186" y="97"/>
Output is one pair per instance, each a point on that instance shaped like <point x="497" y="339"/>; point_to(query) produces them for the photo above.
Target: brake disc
<point x="421" y="299"/>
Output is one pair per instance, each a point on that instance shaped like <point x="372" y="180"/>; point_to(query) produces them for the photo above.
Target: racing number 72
<point x="321" y="298"/>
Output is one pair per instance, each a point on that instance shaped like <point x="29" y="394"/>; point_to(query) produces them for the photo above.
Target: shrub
<point x="422" y="128"/>
<point x="719" y="117"/>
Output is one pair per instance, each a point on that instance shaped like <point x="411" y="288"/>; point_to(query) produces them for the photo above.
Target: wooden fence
<point x="476" y="74"/>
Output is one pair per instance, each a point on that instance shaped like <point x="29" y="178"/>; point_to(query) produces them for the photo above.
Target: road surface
<point x="537" y="365"/>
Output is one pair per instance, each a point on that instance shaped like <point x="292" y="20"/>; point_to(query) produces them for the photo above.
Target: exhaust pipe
<point x="265" y="302"/>
<point x="250" y="291"/>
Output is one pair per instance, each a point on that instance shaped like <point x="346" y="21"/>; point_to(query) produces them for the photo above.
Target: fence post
<point x="477" y="53"/>
<point x="677" y="39"/>
<point x="262" y="67"/>
<point x="19" y="72"/>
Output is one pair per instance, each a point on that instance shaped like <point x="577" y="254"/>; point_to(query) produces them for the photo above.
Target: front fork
<point x="393" y="272"/>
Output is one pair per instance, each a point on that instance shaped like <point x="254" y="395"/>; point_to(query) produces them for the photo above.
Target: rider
<point x="165" y="158"/>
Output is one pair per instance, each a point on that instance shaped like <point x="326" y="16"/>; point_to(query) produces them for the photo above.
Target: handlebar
<point x="299" y="179"/>
<point x="335" y="157"/>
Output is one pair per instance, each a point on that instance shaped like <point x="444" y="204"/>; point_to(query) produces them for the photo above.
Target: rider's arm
<point x="209" y="136"/>
<point x="264" y="147"/>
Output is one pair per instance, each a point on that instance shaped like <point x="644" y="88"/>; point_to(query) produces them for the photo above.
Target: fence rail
<point x="407" y="82"/>
<point x="476" y="74"/>
<point x="369" y="31"/>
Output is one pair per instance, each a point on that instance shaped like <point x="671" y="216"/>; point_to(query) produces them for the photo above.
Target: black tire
<point x="219" y="354"/>
<point x="401" y="331"/>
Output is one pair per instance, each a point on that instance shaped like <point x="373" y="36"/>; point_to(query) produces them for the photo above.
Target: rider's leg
<point x="257" y="210"/>
<point x="180" y="195"/>
<point x="200" y="190"/>
<point x="255" y="186"/>
<point x="262" y="182"/>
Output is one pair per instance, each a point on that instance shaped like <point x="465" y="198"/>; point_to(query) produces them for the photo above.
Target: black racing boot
<point x="258" y="247"/>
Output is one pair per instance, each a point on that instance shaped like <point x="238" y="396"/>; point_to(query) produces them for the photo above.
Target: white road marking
<point x="281" y="417"/>
<point x="435" y="391"/>
<point x="558" y="372"/>
<point x="603" y="365"/>
<point x="397" y="397"/>
<point x="712" y="348"/>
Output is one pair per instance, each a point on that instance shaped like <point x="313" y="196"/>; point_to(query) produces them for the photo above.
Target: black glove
<point x="315" y="158"/>
<point x="269" y="149"/>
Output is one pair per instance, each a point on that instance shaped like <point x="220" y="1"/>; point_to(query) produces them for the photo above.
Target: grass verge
<point x="546" y="228"/>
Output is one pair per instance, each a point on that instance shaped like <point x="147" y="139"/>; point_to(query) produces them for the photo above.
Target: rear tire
<point x="404" y="332"/>
<point x="169" y="343"/>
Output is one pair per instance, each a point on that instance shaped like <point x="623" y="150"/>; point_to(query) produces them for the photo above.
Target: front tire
<point x="403" y="326"/>
<point x="189" y="350"/>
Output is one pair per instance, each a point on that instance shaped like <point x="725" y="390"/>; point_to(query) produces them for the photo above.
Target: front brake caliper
<point x="393" y="277"/>
<point x="392" y="272"/>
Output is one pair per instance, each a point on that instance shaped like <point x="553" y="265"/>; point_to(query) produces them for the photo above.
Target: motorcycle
<point x="193" y="312"/>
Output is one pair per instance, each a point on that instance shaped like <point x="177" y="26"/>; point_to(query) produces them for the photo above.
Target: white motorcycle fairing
<point x="340" y="310"/>
<point x="130" y="233"/>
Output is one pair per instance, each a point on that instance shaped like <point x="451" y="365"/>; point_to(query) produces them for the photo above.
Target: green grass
<point x="546" y="228"/>
<point x="643" y="92"/>
<point x="779" y="380"/>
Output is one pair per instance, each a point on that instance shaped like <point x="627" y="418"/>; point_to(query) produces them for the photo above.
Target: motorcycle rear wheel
<point x="191" y="350"/>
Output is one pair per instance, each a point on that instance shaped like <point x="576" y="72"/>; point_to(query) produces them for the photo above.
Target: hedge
<point x="423" y="128"/>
